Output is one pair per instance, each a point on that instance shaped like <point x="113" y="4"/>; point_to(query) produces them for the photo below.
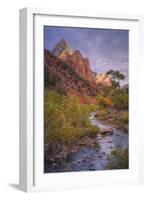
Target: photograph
<point x="86" y="99"/>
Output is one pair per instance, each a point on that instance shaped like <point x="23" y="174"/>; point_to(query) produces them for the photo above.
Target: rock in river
<point x="108" y="131"/>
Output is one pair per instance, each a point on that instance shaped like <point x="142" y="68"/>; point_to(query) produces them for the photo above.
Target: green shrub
<point x="50" y="80"/>
<point x="122" y="120"/>
<point x="118" y="160"/>
<point x="94" y="130"/>
<point x="65" y="119"/>
<point x="120" y="99"/>
<point x="102" y="114"/>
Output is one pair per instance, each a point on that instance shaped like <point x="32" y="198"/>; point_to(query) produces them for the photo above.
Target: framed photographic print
<point x="80" y="124"/>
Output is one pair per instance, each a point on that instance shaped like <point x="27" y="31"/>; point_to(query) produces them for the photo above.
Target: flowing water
<point x="92" y="158"/>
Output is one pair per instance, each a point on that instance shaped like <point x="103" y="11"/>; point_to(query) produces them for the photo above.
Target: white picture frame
<point x="31" y="100"/>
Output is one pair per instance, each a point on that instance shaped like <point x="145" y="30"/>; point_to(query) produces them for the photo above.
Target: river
<point x="91" y="158"/>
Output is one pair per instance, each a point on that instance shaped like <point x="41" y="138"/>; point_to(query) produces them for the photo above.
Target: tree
<point x="115" y="76"/>
<point x="120" y="99"/>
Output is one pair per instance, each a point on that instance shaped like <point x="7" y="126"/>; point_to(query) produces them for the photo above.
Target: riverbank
<point x="58" y="150"/>
<point x="90" y="152"/>
<point x="55" y="153"/>
<point x="113" y="117"/>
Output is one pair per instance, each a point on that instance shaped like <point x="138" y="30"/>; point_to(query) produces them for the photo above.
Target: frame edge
<point x="26" y="99"/>
<point x="22" y="100"/>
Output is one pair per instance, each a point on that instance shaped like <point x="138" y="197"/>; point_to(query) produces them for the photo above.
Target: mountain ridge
<point x="62" y="49"/>
<point x="74" y="58"/>
<point x="58" y="74"/>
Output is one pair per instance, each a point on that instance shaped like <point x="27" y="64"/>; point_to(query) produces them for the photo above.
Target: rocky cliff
<point x="74" y="59"/>
<point x="58" y="74"/>
<point x="62" y="50"/>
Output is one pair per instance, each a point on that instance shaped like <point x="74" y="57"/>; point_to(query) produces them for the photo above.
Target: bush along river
<point x="92" y="157"/>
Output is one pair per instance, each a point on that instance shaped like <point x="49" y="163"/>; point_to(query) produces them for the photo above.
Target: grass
<point x="65" y="119"/>
<point x="118" y="160"/>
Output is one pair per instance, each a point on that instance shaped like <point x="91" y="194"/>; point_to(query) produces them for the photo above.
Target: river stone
<point x="109" y="142"/>
<point x="96" y="115"/>
<point x="108" y="131"/>
<point x="92" y="167"/>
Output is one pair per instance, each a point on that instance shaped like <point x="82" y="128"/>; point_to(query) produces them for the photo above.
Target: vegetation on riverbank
<point x="113" y="102"/>
<point x="67" y="127"/>
<point x="114" y="117"/>
<point x="65" y="119"/>
<point x="119" y="159"/>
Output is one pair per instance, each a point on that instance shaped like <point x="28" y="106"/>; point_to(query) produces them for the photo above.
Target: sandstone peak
<point x="74" y="59"/>
<point x="62" y="49"/>
<point x="69" y="79"/>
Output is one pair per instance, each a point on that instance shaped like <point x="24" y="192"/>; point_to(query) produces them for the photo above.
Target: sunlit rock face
<point x="74" y="59"/>
<point x="102" y="79"/>
<point x="80" y="65"/>
<point x="61" y="76"/>
<point x="62" y="50"/>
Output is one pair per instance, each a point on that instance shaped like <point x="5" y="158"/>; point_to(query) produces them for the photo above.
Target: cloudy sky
<point x="105" y="48"/>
